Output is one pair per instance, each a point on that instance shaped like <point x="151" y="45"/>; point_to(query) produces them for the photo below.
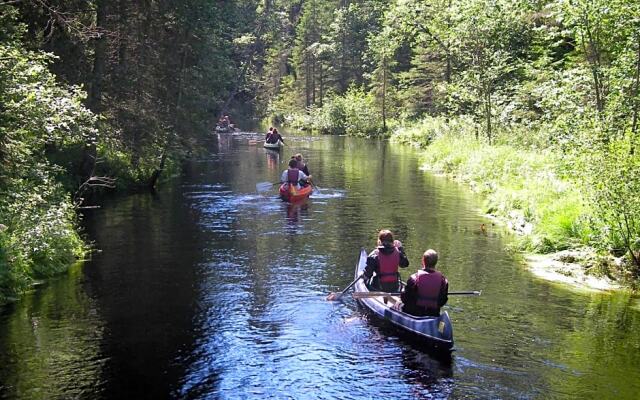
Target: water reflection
<point x="273" y="159"/>
<point x="429" y="377"/>
<point x="51" y="342"/>
<point x="296" y="212"/>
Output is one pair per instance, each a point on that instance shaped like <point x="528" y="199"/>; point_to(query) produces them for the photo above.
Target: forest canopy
<point x="533" y="103"/>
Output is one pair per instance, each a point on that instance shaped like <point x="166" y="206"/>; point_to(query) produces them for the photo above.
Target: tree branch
<point x="6" y="3"/>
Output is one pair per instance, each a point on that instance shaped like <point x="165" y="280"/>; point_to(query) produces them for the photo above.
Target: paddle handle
<point x="336" y="296"/>
<point x="351" y="284"/>
<point x="462" y="293"/>
<point x="314" y="186"/>
<point x="361" y="295"/>
<point x="467" y="293"/>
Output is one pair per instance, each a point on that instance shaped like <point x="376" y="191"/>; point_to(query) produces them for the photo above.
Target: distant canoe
<point x="433" y="332"/>
<point x="292" y="194"/>
<point x="273" y="146"/>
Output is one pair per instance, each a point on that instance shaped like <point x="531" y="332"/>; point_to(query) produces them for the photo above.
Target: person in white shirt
<point x="293" y="175"/>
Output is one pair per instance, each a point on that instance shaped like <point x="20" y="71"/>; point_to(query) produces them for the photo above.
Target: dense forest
<point x="102" y="95"/>
<point x="533" y="103"/>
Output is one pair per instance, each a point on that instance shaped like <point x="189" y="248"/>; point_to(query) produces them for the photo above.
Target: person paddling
<point x="302" y="166"/>
<point x="385" y="261"/>
<point x="426" y="290"/>
<point x="267" y="138"/>
<point x="275" y="136"/>
<point x="293" y="176"/>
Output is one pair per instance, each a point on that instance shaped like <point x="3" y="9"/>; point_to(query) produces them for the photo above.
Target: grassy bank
<point x="531" y="190"/>
<point x="535" y="192"/>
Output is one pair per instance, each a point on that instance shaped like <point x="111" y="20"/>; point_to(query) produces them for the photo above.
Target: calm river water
<point x="209" y="289"/>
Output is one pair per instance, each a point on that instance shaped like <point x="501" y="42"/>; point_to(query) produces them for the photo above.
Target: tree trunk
<point x="384" y="93"/>
<point x="634" y="94"/>
<point x="321" y="83"/>
<point x="122" y="41"/>
<point x="95" y="94"/>
<point x="153" y="180"/>
<point x="592" y="52"/>
<point x="307" y="81"/>
<point x="488" y="115"/>
<point x="447" y="73"/>
<point x="89" y="154"/>
<point x="313" y="79"/>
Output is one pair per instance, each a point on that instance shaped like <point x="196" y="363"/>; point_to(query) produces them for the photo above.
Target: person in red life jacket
<point x="293" y="176"/>
<point x="275" y="136"/>
<point x="427" y="290"/>
<point x="302" y="166"/>
<point x="385" y="261"/>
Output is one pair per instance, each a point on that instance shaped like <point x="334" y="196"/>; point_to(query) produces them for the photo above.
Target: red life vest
<point x="388" y="266"/>
<point x="428" y="288"/>
<point x="292" y="176"/>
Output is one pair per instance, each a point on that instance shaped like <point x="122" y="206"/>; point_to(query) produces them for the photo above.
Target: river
<point x="210" y="289"/>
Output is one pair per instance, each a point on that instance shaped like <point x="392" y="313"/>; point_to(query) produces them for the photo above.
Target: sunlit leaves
<point x="41" y="237"/>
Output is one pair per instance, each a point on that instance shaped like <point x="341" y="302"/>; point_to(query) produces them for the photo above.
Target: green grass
<point x="523" y="187"/>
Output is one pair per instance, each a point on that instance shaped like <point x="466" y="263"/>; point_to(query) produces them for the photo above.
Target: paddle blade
<point x="263" y="186"/>
<point x="334" y="296"/>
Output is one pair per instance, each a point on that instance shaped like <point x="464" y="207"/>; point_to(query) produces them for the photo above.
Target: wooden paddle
<point x="336" y="296"/>
<point x="364" y="295"/>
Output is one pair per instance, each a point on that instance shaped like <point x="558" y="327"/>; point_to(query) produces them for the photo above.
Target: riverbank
<point x="535" y="193"/>
<point x="40" y="231"/>
<point x="572" y="268"/>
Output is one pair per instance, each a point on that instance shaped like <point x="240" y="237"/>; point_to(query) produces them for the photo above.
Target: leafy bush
<point x="355" y="114"/>
<point x="331" y="117"/>
<point x="362" y="118"/>
<point x="38" y="234"/>
<point x="611" y="172"/>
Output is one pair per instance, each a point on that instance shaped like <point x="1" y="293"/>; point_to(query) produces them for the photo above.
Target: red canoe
<point x="292" y="194"/>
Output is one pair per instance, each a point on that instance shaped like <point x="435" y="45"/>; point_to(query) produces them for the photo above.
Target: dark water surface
<point x="209" y="289"/>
